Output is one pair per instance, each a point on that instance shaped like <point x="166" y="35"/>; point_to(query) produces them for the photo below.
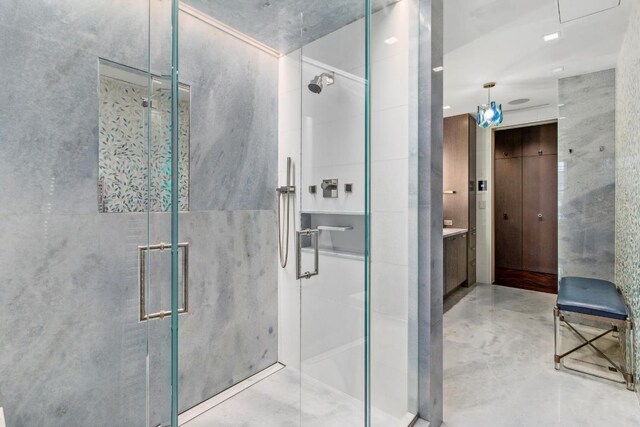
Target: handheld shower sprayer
<point x="285" y="194"/>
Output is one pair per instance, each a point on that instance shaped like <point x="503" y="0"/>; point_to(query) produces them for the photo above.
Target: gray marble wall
<point x="586" y="175"/>
<point x="427" y="205"/>
<point x="73" y="352"/>
<point x="627" y="170"/>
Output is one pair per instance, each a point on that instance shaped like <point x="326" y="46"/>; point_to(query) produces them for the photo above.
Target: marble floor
<point x="276" y="400"/>
<point x="498" y="367"/>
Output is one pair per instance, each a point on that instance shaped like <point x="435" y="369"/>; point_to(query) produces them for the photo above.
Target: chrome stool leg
<point x="628" y="349"/>
<point x="556" y="338"/>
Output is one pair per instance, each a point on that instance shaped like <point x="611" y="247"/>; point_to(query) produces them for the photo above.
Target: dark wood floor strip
<point x="530" y="280"/>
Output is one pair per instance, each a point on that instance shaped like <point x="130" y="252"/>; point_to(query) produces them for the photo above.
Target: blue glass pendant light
<point x="489" y="114"/>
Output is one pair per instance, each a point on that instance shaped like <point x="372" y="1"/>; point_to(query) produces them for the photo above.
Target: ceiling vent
<point x="570" y="10"/>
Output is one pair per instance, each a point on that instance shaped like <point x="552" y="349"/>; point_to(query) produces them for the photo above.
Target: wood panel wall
<point x="459" y="175"/>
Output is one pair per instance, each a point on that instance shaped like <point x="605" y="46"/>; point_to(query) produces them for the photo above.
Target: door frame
<point x="492" y="222"/>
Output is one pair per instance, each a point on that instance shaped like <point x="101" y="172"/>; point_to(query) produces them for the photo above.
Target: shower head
<point x="316" y="84"/>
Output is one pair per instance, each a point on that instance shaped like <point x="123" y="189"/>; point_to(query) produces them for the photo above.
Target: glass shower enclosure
<point x="207" y="213"/>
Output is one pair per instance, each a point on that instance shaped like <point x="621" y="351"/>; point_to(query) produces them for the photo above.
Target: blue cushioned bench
<point x="597" y="301"/>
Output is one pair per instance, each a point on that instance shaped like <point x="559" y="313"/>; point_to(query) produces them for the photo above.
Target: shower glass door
<point x="332" y="240"/>
<point x="163" y="259"/>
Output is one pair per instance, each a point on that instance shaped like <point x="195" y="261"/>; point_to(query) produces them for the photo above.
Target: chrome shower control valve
<point x="330" y="188"/>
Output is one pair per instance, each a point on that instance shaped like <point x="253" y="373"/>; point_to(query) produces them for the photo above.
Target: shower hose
<point x="284" y="201"/>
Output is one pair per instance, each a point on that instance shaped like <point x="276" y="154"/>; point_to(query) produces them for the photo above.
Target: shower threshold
<point x="272" y="398"/>
<point x="219" y="398"/>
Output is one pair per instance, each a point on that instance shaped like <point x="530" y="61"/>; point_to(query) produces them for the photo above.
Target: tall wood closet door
<point x="540" y="140"/>
<point x="540" y="214"/>
<point x="508" y="143"/>
<point x="508" y="213"/>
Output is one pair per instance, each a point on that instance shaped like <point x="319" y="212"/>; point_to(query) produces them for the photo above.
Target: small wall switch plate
<point x="348" y="188"/>
<point x="448" y="222"/>
<point x="312" y="189"/>
<point x="483" y="204"/>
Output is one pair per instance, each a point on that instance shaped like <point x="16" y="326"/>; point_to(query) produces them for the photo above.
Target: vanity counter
<point x="450" y="232"/>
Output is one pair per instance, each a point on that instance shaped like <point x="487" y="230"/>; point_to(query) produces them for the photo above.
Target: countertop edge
<point x="451" y="232"/>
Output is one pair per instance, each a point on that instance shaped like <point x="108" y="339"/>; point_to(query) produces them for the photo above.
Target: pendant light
<point x="489" y="114"/>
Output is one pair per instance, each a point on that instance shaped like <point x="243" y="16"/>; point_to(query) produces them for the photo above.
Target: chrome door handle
<point x="143" y="252"/>
<point x="313" y="233"/>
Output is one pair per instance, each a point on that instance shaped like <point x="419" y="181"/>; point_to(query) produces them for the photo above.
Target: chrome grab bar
<point x="313" y="233"/>
<point x="142" y="279"/>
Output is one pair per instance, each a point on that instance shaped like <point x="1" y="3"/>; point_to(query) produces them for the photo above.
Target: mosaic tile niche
<point x="135" y="173"/>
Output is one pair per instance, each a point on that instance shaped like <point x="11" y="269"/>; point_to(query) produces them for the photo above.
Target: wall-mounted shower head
<point x="318" y="82"/>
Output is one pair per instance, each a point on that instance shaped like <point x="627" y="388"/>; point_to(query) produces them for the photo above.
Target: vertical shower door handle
<point x="313" y="233"/>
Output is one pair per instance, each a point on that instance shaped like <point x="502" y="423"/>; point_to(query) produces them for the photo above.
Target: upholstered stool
<point x="599" y="302"/>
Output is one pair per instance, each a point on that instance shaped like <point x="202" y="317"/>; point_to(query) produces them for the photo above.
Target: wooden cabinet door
<point x="508" y="143"/>
<point x="450" y="270"/>
<point x="540" y="140"/>
<point x="472" y="212"/>
<point x="508" y="213"/>
<point x="471" y="245"/>
<point x="540" y="214"/>
<point x="471" y="273"/>
<point x="455" y="175"/>
<point x="461" y="259"/>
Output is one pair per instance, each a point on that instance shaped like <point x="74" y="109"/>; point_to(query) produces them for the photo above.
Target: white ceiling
<point x="501" y="41"/>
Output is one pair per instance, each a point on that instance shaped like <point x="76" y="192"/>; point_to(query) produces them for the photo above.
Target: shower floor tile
<point x="275" y="402"/>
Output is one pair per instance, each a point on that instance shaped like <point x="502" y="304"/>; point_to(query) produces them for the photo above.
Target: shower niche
<point x="340" y="234"/>
<point x="134" y="143"/>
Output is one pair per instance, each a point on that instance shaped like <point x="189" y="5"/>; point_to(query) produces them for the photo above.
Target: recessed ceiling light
<point x="446" y="107"/>
<point x="561" y="118"/>
<point x="552" y="36"/>
<point x="391" y="40"/>
<point x="560" y="105"/>
<point x="557" y="70"/>
<point x="438" y="69"/>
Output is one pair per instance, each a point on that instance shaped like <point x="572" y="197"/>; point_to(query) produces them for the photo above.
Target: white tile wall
<point x="390" y="131"/>
<point x="289" y="134"/>
<point x="331" y="126"/>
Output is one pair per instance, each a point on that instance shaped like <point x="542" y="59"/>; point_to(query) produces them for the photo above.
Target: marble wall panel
<point x="48" y="161"/>
<point x="628" y="170"/>
<point x="586" y="175"/>
<point x="231" y="330"/>
<point x="73" y="350"/>
<point x="234" y="119"/>
<point x="428" y="208"/>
